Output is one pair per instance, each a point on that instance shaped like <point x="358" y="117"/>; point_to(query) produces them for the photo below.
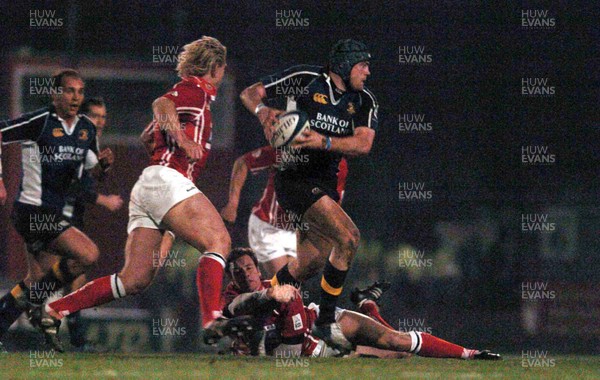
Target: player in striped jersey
<point x="166" y="198"/>
<point x="271" y="231"/>
<point x="57" y="143"/>
<point x="343" y="119"/>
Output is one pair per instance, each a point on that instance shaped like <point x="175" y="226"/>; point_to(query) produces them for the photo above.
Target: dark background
<point x="471" y="160"/>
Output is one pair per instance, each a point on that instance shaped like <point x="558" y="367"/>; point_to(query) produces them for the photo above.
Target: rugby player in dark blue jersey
<point x="343" y="119"/>
<point x="57" y="143"/>
<point x="83" y="193"/>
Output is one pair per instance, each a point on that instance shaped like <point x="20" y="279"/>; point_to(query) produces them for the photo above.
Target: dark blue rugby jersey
<point x="332" y="113"/>
<point x="52" y="155"/>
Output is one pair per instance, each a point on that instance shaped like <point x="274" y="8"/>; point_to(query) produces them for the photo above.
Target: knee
<point x="398" y="341"/>
<point x="220" y="243"/>
<point x="135" y="284"/>
<point x="91" y="255"/>
<point x="349" y="241"/>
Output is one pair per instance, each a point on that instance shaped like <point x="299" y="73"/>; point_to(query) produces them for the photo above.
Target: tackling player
<point x="271" y="231"/>
<point x="343" y="119"/>
<point x="165" y="196"/>
<point x="56" y="143"/>
<point x="288" y="322"/>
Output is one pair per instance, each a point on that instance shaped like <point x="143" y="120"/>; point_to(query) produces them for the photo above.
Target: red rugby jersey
<point x="192" y="97"/>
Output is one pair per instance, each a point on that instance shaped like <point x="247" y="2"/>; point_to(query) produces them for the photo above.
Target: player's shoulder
<point x="369" y="97"/>
<point x="293" y="71"/>
<point x="38" y="112"/>
<point x="86" y="122"/>
<point x="314" y="70"/>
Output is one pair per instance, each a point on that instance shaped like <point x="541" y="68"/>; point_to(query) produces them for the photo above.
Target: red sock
<point x="369" y="308"/>
<point x="94" y="293"/>
<point x="209" y="278"/>
<point x="428" y="345"/>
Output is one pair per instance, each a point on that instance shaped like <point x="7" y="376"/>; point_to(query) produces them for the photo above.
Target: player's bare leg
<point x="196" y="221"/>
<point x="308" y="263"/>
<point x="269" y="268"/>
<point x="336" y="238"/>
<point x="362" y="330"/>
<point x="135" y="276"/>
<point x="73" y="244"/>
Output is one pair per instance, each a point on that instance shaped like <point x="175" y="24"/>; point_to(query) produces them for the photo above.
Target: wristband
<point x="327" y="143"/>
<point x="259" y="106"/>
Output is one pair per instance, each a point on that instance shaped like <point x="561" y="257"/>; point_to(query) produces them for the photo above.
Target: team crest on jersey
<point x="58" y="132"/>
<point x="83" y="134"/>
<point x="320" y="98"/>
<point x="351" y="109"/>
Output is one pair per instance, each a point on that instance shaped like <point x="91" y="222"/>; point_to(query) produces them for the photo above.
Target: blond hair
<point x="201" y="56"/>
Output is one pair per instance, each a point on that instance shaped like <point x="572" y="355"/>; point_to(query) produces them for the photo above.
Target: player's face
<point x="68" y="100"/>
<point x="98" y="116"/>
<point x="245" y="274"/>
<point x="359" y="75"/>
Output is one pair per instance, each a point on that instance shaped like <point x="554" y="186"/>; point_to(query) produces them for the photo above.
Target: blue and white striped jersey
<point x="53" y="154"/>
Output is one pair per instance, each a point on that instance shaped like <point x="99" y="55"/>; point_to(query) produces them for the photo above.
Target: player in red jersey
<point x="288" y="322"/>
<point x="271" y="231"/>
<point x="166" y="198"/>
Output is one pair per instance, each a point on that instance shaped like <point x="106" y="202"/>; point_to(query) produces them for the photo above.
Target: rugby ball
<point x="289" y="125"/>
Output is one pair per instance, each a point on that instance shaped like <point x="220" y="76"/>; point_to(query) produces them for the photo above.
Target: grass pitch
<point x="40" y="365"/>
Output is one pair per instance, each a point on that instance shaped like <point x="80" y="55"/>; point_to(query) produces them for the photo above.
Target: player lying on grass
<point x="288" y="322"/>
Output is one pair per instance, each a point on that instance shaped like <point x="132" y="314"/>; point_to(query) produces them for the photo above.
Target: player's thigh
<point x="198" y="222"/>
<point x="142" y="252"/>
<point x="269" y="268"/>
<point x="325" y="219"/>
<point x="74" y="243"/>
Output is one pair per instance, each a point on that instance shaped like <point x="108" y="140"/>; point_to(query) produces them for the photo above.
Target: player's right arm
<point x="27" y="127"/>
<point x="287" y="83"/>
<point x="259" y="301"/>
<point x="252" y="98"/>
<point x="165" y="114"/>
<point x="254" y="161"/>
<point x="239" y="173"/>
<point x="147" y="138"/>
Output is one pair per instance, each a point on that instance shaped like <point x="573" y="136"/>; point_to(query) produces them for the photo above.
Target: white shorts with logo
<point x="158" y="189"/>
<point x="269" y="242"/>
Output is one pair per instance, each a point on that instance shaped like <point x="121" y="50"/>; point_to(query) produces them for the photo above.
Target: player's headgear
<point x="345" y="54"/>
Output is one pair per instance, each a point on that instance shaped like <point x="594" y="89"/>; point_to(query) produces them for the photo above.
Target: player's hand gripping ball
<point x="289" y="125"/>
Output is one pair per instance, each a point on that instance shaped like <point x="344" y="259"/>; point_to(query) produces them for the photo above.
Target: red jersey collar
<point x="203" y="84"/>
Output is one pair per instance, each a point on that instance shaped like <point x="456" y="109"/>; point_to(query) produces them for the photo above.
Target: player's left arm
<point x="356" y="145"/>
<point x="360" y="143"/>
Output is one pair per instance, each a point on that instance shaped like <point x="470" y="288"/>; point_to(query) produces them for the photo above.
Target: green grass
<point x="188" y="366"/>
